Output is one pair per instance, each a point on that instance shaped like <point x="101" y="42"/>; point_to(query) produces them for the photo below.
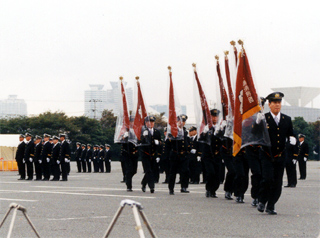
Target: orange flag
<point x="246" y="99"/>
<point x="172" y="120"/>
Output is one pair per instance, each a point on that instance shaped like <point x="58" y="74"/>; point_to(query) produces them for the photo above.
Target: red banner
<point x="206" y="119"/>
<point x="126" y="120"/>
<point x="223" y="93"/>
<point x="172" y="120"/>
<point x="140" y="114"/>
<point x="246" y="101"/>
<point x="231" y="96"/>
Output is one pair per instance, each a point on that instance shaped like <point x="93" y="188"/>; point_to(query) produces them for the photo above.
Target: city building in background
<point x="164" y="108"/>
<point x="13" y="107"/>
<point x="95" y="101"/>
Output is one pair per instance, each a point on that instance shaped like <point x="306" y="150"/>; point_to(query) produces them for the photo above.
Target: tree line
<point x="91" y="131"/>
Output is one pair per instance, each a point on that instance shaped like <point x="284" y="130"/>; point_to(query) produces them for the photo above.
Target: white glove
<point x="157" y="159"/>
<point x="156" y="142"/>
<point x="23" y="161"/>
<point x="223" y="124"/>
<point x="294" y="161"/>
<point x="193" y="151"/>
<point x="260" y="117"/>
<point x="315" y="153"/>
<point x="40" y="161"/>
<point x="89" y="160"/>
<point x="205" y="129"/>
<point x="145" y="133"/>
<point x="58" y="161"/>
<point x="198" y="158"/>
<point x="293" y="140"/>
<point x="30" y="159"/>
<point x="305" y="158"/>
<point x="125" y="135"/>
<point x="66" y="160"/>
<point x="48" y="160"/>
<point x="109" y="160"/>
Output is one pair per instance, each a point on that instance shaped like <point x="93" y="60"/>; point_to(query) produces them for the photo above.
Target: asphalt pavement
<point x="85" y="205"/>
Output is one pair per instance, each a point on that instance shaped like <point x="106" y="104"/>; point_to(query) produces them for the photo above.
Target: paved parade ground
<point x="85" y="205"/>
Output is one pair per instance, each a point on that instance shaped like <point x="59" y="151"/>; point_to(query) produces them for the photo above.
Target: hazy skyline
<point x="50" y="51"/>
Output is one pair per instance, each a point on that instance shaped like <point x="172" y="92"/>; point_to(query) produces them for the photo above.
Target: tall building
<point x="164" y="108"/>
<point x="13" y="107"/>
<point x="95" y="101"/>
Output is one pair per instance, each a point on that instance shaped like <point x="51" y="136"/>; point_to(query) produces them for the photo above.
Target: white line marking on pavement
<point x="18" y="200"/>
<point x="76" y="218"/>
<point x="185" y="213"/>
<point x="14" y="182"/>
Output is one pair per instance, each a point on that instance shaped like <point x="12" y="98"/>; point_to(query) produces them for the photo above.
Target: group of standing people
<point x="44" y="157"/>
<point x="100" y="157"/>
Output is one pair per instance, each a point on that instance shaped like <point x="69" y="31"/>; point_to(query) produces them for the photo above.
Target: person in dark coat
<point x="89" y="156"/>
<point x="194" y="156"/>
<point x="19" y="158"/>
<point x="101" y="155"/>
<point x="78" y="156"/>
<point x="55" y="159"/>
<point x="83" y="158"/>
<point x="37" y="157"/>
<point x="95" y="158"/>
<point x="29" y="155"/>
<point x="273" y="158"/>
<point x="303" y="154"/>
<point x="65" y="156"/>
<point x="108" y="157"/>
<point x="46" y="157"/>
<point x="164" y="159"/>
<point x="291" y="161"/>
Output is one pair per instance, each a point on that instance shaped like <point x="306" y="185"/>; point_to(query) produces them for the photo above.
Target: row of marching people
<point x="44" y="157"/>
<point x="100" y="157"/>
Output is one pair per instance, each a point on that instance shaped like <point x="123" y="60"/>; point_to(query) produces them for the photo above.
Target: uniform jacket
<point x="108" y="155"/>
<point x="83" y="154"/>
<point x="55" y="154"/>
<point x="179" y="147"/>
<point x="194" y="144"/>
<point x="46" y="151"/>
<point x="89" y="155"/>
<point x="78" y="153"/>
<point x="212" y="150"/>
<point x="64" y="151"/>
<point x="37" y="152"/>
<point x="101" y="154"/>
<point x="29" y="150"/>
<point x="20" y="151"/>
<point x="303" y="150"/>
<point x="149" y="148"/>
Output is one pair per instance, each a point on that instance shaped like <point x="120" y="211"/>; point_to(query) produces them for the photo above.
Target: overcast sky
<point x="50" y="51"/>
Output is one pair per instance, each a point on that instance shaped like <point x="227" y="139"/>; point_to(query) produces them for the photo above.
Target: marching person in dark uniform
<point x="273" y="159"/>
<point x="37" y="157"/>
<point x="291" y="161"/>
<point x="83" y="158"/>
<point x="55" y="159"/>
<point x="107" y="159"/>
<point x="19" y="158"/>
<point x="194" y="156"/>
<point x="212" y="158"/>
<point x="178" y="158"/>
<point x="150" y="154"/>
<point x="78" y="156"/>
<point x="89" y="155"/>
<point x="64" y="156"/>
<point x="95" y="158"/>
<point x="45" y="156"/>
<point x="101" y="156"/>
<point x="164" y="159"/>
<point x="29" y="155"/>
<point x="241" y="180"/>
<point x="303" y="154"/>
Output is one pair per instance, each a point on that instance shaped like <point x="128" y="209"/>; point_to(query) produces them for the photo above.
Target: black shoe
<point x="178" y="182"/>
<point x="129" y="190"/>
<point x="292" y="186"/>
<point x="123" y="181"/>
<point x="54" y="180"/>
<point x="213" y="195"/>
<point x="29" y="179"/>
<point x="255" y="202"/>
<point x="208" y="194"/>
<point x="261" y="207"/>
<point x="152" y="190"/>
<point x="45" y="179"/>
<point x="184" y="190"/>
<point x="287" y="186"/>
<point x="38" y="179"/>
<point x="165" y="182"/>
<point x="64" y="180"/>
<point x="239" y="200"/>
<point x="171" y="192"/>
<point x="203" y="182"/>
<point x="271" y="211"/>
<point x="21" y="179"/>
<point x="197" y="182"/>
<point x="143" y="188"/>
<point x="228" y="196"/>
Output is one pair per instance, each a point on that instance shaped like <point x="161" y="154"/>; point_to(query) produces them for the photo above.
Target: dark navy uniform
<point x="29" y="157"/>
<point x="83" y="158"/>
<point x="164" y="161"/>
<point x="55" y="161"/>
<point x="38" y="160"/>
<point x="107" y="159"/>
<point x="95" y="159"/>
<point x="291" y="160"/>
<point x="241" y="180"/>
<point x="129" y="154"/>
<point x="101" y="155"/>
<point x="303" y="154"/>
<point x="19" y="159"/>
<point x="78" y="156"/>
<point x="64" y="156"/>
<point x="89" y="156"/>
<point x="194" y="159"/>
<point x="46" y="157"/>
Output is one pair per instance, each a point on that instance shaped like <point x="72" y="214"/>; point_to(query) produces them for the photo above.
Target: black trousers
<point x="55" y="169"/>
<point x="95" y="165"/>
<point x="123" y="168"/>
<point x="252" y="154"/>
<point x="64" y="170"/>
<point x="194" y="168"/>
<point x="46" y="167"/>
<point x="84" y="166"/>
<point x="22" y="169"/>
<point x="38" y="170"/>
<point x="272" y="175"/>
<point x="108" y="166"/>
<point x="178" y="164"/>
<point x="131" y="169"/>
<point x="222" y="172"/>
<point x="29" y="169"/>
<point x="241" y="180"/>
<point x="212" y="166"/>
<point x="204" y="171"/>
<point x="302" y="168"/>
<point x="89" y="165"/>
<point x="148" y="164"/>
<point x="100" y="166"/>
<point x="79" y="165"/>
<point x="231" y="174"/>
<point x="165" y="167"/>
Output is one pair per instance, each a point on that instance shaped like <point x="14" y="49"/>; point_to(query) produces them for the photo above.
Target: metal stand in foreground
<point x="16" y="207"/>
<point x="136" y="208"/>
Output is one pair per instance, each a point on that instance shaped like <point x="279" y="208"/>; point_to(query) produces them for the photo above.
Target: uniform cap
<point x="83" y="145"/>
<point x="214" y="112"/>
<point x="192" y="128"/>
<point x="131" y="118"/>
<point x="150" y="118"/>
<point x="38" y="137"/>
<point x="107" y="145"/>
<point x="45" y="135"/>
<point x="301" y="136"/>
<point x="182" y="117"/>
<point x="89" y="145"/>
<point x="101" y="146"/>
<point x="55" y="138"/>
<point x="78" y="143"/>
<point x="275" y="97"/>
<point x="62" y="135"/>
<point x="28" y="134"/>
<point x="262" y="100"/>
<point x="96" y="145"/>
<point x="22" y="136"/>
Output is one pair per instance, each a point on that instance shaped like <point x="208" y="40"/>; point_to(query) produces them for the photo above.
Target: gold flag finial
<point x="194" y="65"/>
<point x="169" y="67"/>
<point x="226" y="52"/>
<point x="217" y="57"/>
<point x="233" y="43"/>
<point x="240" y="42"/>
<point x="137" y="77"/>
<point x="120" y="77"/>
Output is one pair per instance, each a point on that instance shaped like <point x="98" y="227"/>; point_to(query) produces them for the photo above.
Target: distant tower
<point x="13" y="107"/>
<point x="114" y="99"/>
<point x="95" y="101"/>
